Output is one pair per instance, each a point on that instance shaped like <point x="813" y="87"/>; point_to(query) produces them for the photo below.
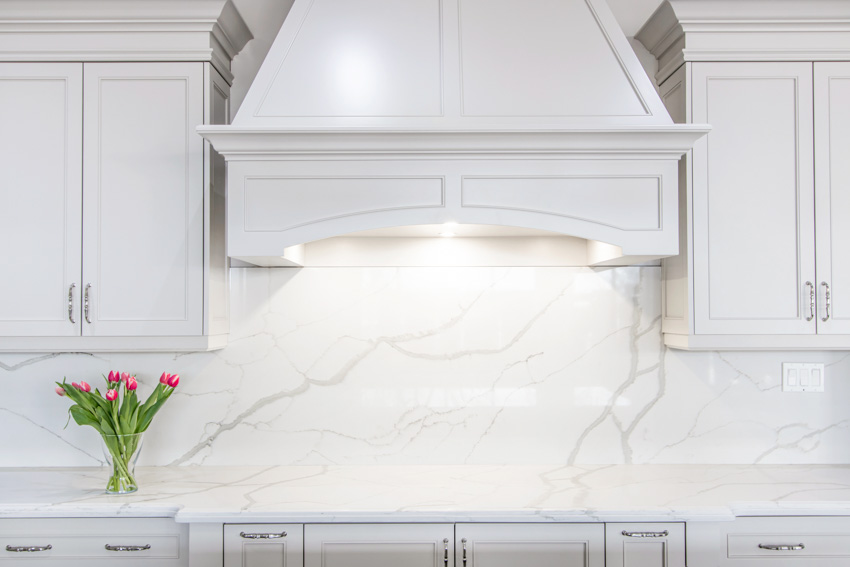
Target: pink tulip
<point x="85" y="387"/>
<point x="111" y="395"/>
<point x="124" y="376"/>
<point x="77" y="386"/>
<point x="132" y="384"/>
<point x="60" y="390"/>
<point x="113" y="376"/>
<point x="173" y="380"/>
<point x="164" y="378"/>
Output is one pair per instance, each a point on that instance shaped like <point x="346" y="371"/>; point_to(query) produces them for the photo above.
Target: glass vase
<point x="122" y="452"/>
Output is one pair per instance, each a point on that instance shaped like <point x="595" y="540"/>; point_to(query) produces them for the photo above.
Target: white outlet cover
<point x="803" y="377"/>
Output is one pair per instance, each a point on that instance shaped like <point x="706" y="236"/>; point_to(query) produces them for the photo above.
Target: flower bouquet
<point x="120" y="418"/>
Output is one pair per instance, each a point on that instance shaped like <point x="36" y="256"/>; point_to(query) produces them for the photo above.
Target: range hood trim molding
<point x="660" y="142"/>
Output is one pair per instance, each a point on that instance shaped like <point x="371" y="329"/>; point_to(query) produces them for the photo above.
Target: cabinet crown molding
<point x="746" y="30"/>
<point x="123" y="30"/>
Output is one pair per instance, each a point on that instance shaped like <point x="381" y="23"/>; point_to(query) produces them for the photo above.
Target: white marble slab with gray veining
<point x="320" y="493"/>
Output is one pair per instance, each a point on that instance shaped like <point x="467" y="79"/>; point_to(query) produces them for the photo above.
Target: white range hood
<point x="373" y="114"/>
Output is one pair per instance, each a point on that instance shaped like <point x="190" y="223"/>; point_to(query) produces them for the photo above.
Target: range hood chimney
<point x="372" y="114"/>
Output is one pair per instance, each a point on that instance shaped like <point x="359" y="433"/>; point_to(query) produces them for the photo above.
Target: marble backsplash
<point x="443" y="366"/>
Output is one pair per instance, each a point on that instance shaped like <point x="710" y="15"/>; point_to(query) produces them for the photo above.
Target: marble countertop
<point x="434" y="493"/>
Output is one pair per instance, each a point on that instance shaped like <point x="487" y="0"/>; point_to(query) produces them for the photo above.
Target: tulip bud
<point x="164" y="378"/>
<point x="113" y="376"/>
<point x="173" y="380"/>
<point x="111" y="395"/>
<point x="124" y="376"/>
<point x="132" y="384"/>
<point x="77" y="386"/>
<point x="85" y="387"/>
<point x="60" y="390"/>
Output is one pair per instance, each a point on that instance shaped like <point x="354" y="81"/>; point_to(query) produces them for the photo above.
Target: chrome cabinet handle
<point x="71" y="303"/>
<point x="826" y="285"/>
<point x="29" y="548"/>
<point x="811" y="301"/>
<point x="463" y="541"/>
<point x="798" y="547"/>
<point x="86" y="303"/>
<point x="127" y="547"/>
<point x="665" y="533"/>
<point x="262" y="536"/>
<point x="446" y="552"/>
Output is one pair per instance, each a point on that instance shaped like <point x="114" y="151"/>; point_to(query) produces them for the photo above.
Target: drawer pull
<point x="262" y="536"/>
<point x="29" y="548"/>
<point x="665" y="533"/>
<point x="127" y="547"/>
<point x="798" y="547"/>
<point x="446" y="552"/>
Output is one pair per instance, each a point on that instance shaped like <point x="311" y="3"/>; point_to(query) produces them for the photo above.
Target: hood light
<point x="448" y="230"/>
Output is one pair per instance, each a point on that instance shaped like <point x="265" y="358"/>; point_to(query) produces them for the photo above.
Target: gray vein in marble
<point x="13" y="367"/>
<point x="53" y="434"/>
<point x="634" y="362"/>
<point x="740" y="372"/>
<point x="796" y="444"/>
<point x="473" y="352"/>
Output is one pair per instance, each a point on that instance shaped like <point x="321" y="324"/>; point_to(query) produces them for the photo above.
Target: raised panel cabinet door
<point x="143" y="205"/>
<point x="521" y="545"/>
<point x="753" y="199"/>
<point x="378" y="545"/>
<point x="40" y="198"/>
<point x="263" y="545"/>
<point x="645" y="544"/>
<point x="832" y="196"/>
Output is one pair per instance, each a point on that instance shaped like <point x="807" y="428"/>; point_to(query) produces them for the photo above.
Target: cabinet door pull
<point x="86" y="303"/>
<point x="262" y="536"/>
<point x="127" y="547"/>
<point x="446" y="552"/>
<point x="771" y="547"/>
<point x="665" y="533"/>
<point x="463" y="542"/>
<point x="826" y="285"/>
<point x="29" y="548"/>
<point x="71" y="303"/>
<point x="811" y="301"/>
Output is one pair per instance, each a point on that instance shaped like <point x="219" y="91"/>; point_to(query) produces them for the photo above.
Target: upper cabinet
<point x="763" y="263"/>
<point x="112" y="232"/>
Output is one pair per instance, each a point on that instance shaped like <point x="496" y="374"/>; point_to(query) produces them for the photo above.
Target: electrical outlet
<point x="803" y="377"/>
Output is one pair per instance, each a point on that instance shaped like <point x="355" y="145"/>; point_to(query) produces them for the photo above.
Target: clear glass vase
<point x="122" y="452"/>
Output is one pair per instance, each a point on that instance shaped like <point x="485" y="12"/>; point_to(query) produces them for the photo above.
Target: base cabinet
<point x="770" y="542"/>
<point x="645" y="545"/>
<point x="83" y="542"/>
<point x="378" y="545"/>
<point x="519" y="545"/>
<point x="263" y="545"/>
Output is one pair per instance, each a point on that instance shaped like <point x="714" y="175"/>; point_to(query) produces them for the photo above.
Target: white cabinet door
<point x="753" y="198"/>
<point x="645" y="545"/>
<point x="40" y="198"/>
<point x="263" y="545"/>
<point x="378" y="545"/>
<point x="832" y="191"/>
<point x="521" y="545"/>
<point x="143" y="205"/>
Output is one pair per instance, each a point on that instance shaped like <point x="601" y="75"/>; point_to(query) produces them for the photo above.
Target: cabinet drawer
<point x="81" y="541"/>
<point x="774" y="541"/>
<point x="789" y="545"/>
